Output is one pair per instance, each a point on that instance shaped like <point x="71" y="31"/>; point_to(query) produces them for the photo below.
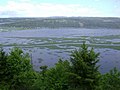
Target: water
<point x="68" y="32"/>
<point x="46" y="46"/>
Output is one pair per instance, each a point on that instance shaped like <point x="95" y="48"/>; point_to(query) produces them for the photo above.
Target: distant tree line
<point x="61" y="22"/>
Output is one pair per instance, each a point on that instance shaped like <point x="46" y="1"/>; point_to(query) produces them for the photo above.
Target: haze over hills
<point x="60" y="22"/>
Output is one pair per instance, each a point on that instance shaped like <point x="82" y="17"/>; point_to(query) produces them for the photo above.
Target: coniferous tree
<point x="3" y="65"/>
<point x="83" y="63"/>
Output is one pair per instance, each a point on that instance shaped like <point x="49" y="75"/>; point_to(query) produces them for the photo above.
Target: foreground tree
<point x="3" y="65"/>
<point x="83" y="65"/>
<point x="15" y="70"/>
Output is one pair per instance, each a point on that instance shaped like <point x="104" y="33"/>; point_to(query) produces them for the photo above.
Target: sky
<point x="68" y="8"/>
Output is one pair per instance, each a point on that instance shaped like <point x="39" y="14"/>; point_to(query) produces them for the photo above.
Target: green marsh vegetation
<point x="78" y="73"/>
<point x="110" y="41"/>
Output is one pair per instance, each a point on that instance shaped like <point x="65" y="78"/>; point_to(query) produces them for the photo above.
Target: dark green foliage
<point x="44" y="69"/>
<point x="15" y="70"/>
<point x="84" y="66"/>
<point x="111" y="80"/>
<point x="17" y="63"/>
<point x="58" y="75"/>
<point x="55" y="78"/>
<point x="3" y="65"/>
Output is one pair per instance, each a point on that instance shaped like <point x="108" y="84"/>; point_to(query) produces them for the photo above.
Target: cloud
<point x="24" y="8"/>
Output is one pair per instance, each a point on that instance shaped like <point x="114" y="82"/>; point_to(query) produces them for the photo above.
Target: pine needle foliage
<point x="83" y="64"/>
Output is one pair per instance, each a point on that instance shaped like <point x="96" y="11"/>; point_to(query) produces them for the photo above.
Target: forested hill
<point x="60" y="22"/>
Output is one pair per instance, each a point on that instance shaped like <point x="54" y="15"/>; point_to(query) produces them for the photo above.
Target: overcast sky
<point x="48" y="8"/>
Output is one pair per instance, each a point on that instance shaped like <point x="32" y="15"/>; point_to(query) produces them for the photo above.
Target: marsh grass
<point x="67" y="42"/>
